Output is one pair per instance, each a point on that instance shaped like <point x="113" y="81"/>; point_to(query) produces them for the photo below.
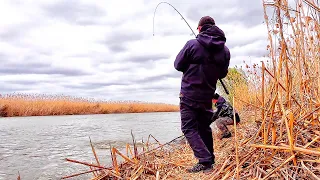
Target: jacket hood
<point x="212" y="37"/>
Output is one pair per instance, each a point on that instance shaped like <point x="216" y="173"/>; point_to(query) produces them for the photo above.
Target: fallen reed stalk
<point x="235" y="140"/>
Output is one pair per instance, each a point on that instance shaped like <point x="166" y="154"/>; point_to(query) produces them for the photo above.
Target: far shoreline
<point x="45" y="105"/>
<point x="90" y="114"/>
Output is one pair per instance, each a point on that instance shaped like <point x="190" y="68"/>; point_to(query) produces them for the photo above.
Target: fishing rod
<point x="154" y="14"/>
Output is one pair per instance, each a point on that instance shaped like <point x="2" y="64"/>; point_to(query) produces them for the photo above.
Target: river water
<point x="36" y="147"/>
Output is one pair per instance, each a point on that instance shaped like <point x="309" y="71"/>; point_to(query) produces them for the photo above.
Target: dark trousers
<point x="195" y="125"/>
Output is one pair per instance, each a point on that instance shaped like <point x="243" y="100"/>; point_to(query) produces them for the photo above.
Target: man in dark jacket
<point x="203" y="61"/>
<point x="224" y="115"/>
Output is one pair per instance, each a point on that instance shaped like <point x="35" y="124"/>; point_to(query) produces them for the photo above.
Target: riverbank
<point x="241" y="156"/>
<point x="159" y="160"/>
<point x="44" y="105"/>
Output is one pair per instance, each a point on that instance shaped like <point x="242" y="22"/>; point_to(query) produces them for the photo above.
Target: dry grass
<point x="43" y="105"/>
<point x="240" y="85"/>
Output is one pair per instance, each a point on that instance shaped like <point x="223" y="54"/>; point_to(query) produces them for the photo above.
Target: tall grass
<point x="43" y="105"/>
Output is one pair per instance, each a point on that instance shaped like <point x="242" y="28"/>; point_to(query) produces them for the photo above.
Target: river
<point x="37" y="146"/>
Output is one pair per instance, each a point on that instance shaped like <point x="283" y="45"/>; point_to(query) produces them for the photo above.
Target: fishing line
<point x="154" y="14"/>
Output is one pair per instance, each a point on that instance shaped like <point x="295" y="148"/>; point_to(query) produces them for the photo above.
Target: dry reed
<point x="43" y="105"/>
<point x="286" y="142"/>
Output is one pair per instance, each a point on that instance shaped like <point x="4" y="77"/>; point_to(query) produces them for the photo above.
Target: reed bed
<point x="44" y="105"/>
<point x="287" y="140"/>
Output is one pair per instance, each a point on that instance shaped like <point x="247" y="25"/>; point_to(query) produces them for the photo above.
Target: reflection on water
<point x="37" y="146"/>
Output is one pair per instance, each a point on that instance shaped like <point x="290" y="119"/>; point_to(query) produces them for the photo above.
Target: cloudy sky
<point x="106" y="49"/>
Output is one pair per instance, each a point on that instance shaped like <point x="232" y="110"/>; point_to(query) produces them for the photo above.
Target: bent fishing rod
<point x="222" y="83"/>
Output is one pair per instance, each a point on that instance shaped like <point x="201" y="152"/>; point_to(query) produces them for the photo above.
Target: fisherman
<point x="223" y="115"/>
<point x="202" y="61"/>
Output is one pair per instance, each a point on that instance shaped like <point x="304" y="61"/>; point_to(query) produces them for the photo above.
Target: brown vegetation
<point x="239" y="85"/>
<point x="286" y="142"/>
<point x="43" y="105"/>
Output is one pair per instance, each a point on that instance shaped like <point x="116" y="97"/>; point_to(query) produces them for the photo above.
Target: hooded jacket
<point x="203" y="61"/>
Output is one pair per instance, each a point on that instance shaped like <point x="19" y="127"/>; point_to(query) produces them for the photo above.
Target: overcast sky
<point x="106" y="49"/>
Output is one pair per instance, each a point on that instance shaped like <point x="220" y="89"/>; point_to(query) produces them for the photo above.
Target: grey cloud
<point x="256" y="50"/>
<point x="133" y="91"/>
<point x="97" y="86"/>
<point x="107" y="65"/>
<point x="120" y="22"/>
<point x="9" y="88"/>
<point x="148" y="87"/>
<point x="15" y="32"/>
<point x="159" y="88"/>
<point x="90" y="85"/>
<point x="45" y="52"/>
<point x="248" y="12"/>
<point x="122" y="36"/>
<point x="144" y="58"/>
<point x="21" y="84"/>
<point x="119" y="38"/>
<point x="24" y="82"/>
<point x="235" y="42"/>
<point x="174" y="74"/>
<point x="12" y="34"/>
<point x="87" y="22"/>
<point x="40" y="70"/>
<point x="124" y="67"/>
<point x="129" y="61"/>
<point x="117" y="48"/>
<point x="174" y="33"/>
<point x="74" y="11"/>
<point x="3" y="57"/>
<point x="96" y="57"/>
<point x="31" y="65"/>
